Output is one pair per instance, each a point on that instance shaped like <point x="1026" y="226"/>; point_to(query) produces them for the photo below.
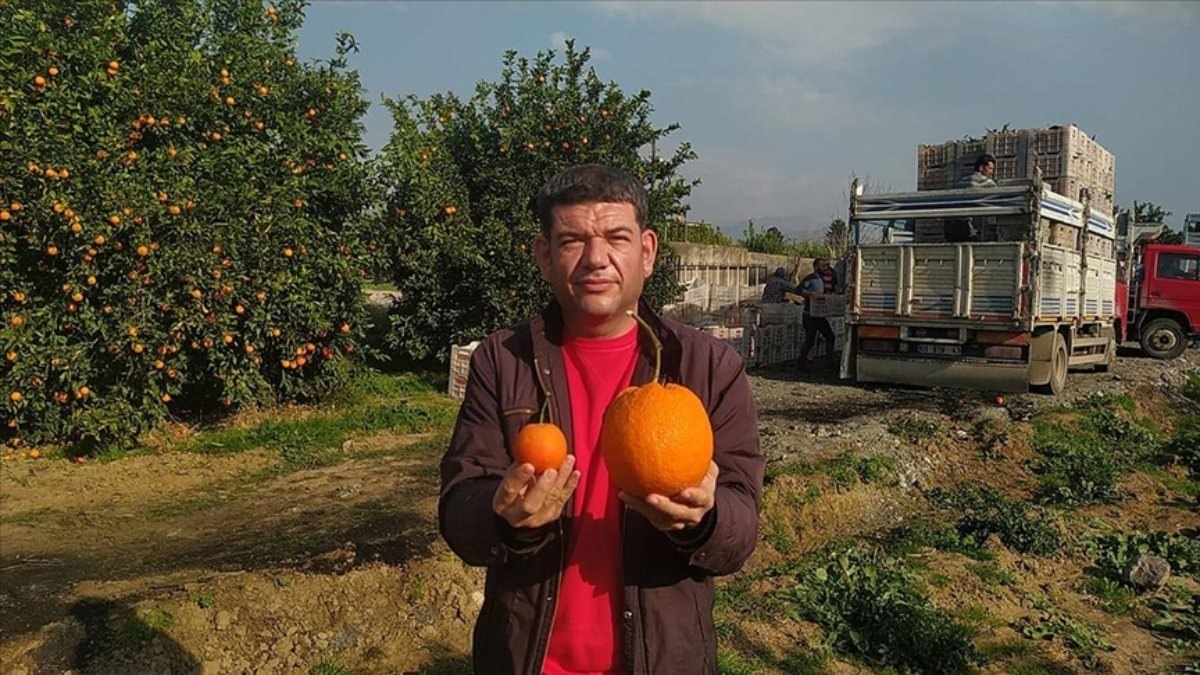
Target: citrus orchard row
<point x="180" y="209"/>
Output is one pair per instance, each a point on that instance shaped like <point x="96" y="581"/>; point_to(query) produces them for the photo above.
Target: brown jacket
<point x="668" y="599"/>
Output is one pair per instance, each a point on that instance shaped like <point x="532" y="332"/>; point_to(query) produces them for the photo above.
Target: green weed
<point x="1084" y="455"/>
<point x="913" y="429"/>
<point x="1113" y="553"/>
<point x="985" y="512"/>
<point x="1113" y="597"/>
<point x="871" y="606"/>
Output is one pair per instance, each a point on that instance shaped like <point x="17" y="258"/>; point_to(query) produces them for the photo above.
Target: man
<point x="985" y="168"/>
<point x="812" y="287"/>
<point x="828" y="278"/>
<point x="582" y="578"/>
<point x="777" y="287"/>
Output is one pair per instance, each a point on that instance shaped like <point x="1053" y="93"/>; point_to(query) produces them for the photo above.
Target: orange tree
<point x="460" y="178"/>
<point x="181" y="206"/>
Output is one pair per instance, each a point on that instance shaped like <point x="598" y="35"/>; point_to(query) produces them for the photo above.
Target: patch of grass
<point x="1188" y="487"/>
<point x="976" y="615"/>
<point x="1113" y="597"/>
<point x="141" y="628"/>
<point x="779" y="535"/>
<point x="331" y="668"/>
<point x="1184" y="446"/>
<point x="985" y="512"/>
<point x="1082" y="639"/>
<point x="798" y="499"/>
<point x="1113" y="553"/>
<point x="1191" y="385"/>
<point x="1085" y="452"/>
<point x="733" y="663"/>
<point x="30" y="518"/>
<point x="844" y="470"/>
<point x="913" y="429"/>
<point x="205" y="600"/>
<point x="911" y="538"/>
<point x="992" y="574"/>
<point x="1007" y="649"/>
<point x="872" y="606"/>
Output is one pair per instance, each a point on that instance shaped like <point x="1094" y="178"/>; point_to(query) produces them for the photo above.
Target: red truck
<point x="1158" y="299"/>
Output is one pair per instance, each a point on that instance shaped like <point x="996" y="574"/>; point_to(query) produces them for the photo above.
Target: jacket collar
<point x="547" y="334"/>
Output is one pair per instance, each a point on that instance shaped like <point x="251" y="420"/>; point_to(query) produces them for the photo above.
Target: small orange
<point x="174" y="210"/>
<point x="51" y="251"/>
<point x="166" y="398"/>
<point x="158" y="364"/>
<point x="82" y="392"/>
<point x="16" y="206"/>
<point x="34" y="453"/>
<point x="541" y="444"/>
<point x="229" y="100"/>
<point x="39" y="81"/>
<point x="287" y="252"/>
<point x="99" y="240"/>
<point x="239" y="309"/>
<point x="10" y="356"/>
<point x="76" y="228"/>
<point x="53" y="71"/>
<point x="15" y="397"/>
<point x="114" y="219"/>
<point x="91" y="281"/>
<point x="143" y="251"/>
<point x="5" y="216"/>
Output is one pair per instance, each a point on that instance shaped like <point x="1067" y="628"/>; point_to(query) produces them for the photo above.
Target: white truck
<point x="1000" y="288"/>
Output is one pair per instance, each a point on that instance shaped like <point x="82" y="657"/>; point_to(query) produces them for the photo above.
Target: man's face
<point x="596" y="260"/>
<point x="988" y="169"/>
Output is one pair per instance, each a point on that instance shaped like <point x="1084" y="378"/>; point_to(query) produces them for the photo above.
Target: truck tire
<point x="1058" y="368"/>
<point x="1163" y="339"/>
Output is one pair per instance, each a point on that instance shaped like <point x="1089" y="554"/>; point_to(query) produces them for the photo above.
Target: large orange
<point x="541" y="444"/>
<point x="656" y="438"/>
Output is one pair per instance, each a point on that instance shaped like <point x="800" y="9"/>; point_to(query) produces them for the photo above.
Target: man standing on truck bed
<point x="813" y="287"/>
<point x="985" y="168"/>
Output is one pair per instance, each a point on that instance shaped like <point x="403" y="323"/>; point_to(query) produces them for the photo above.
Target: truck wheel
<point x="1058" y="368"/>
<point x="1111" y="357"/>
<point x="1163" y="339"/>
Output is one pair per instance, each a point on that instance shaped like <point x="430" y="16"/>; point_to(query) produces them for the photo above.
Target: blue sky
<point x="783" y="100"/>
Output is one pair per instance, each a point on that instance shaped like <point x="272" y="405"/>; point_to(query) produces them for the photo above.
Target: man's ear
<point x="649" y="251"/>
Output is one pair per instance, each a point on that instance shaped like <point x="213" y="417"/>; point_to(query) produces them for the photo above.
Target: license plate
<point x="940" y="350"/>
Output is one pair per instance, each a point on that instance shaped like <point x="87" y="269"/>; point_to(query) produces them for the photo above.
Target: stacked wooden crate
<point x="1070" y="161"/>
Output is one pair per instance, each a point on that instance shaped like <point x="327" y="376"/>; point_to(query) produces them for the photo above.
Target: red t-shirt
<point x="586" y="637"/>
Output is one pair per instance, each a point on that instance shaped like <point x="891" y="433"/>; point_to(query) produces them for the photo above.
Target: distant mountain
<point x="802" y="228"/>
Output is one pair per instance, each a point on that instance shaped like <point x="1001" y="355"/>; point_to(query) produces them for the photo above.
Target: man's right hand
<point x="526" y="500"/>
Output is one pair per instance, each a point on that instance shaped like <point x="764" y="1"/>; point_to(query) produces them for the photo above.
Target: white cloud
<point x="1168" y="10"/>
<point x="395" y="6"/>
<point x="558" y="40"/>
<point x="805" y="33"/>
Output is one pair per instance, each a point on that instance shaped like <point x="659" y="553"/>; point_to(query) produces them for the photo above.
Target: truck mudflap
<point x="990" y="376"/>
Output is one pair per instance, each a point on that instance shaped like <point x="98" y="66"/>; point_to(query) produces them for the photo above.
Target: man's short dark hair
<point x="590" y="184"/>
<point x="983" y="161"/>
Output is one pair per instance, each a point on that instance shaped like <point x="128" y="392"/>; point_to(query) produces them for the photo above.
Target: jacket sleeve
<point x="726" y="537"/>
<point x="471" y="471"/>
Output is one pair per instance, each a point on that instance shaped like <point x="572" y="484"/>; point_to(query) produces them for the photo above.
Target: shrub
<point x="181" y="203"/>
<point x="461" y="177"/>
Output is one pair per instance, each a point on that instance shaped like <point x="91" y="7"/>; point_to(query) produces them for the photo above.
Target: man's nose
<point x="595" y="253"/>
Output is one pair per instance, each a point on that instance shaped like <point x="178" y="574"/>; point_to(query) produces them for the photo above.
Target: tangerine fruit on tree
<point x="656" y="438"/>
<point x="541" y="444"/>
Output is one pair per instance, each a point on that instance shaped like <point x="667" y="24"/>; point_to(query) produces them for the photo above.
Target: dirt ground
<point x="181" y="563"/>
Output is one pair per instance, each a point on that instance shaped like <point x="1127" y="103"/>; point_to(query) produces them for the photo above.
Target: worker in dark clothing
<point x="813" y="287"/>
<point x="777" y="286"/>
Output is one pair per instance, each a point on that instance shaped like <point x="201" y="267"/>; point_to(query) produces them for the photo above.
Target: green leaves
<point x="458" y="179"/>
<point x="168" y="161"/>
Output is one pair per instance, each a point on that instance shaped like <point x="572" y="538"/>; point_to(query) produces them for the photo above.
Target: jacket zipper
<point x="562" y="549"/>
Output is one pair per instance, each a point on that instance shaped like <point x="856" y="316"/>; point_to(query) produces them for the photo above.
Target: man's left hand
<point x="681" y="511"/>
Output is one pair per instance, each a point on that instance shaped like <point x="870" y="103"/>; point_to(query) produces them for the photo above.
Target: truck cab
<point x="1163" y="312"/>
